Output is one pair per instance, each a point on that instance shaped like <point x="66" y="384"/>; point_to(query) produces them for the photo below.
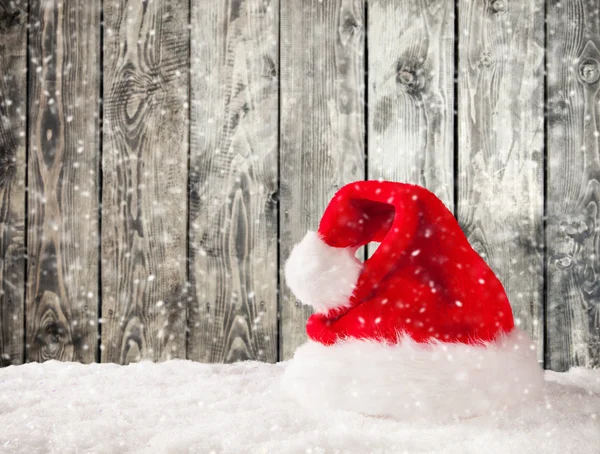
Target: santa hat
<point x="423" y="327"/>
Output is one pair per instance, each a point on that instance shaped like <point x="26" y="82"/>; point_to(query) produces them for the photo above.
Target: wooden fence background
<point x="159" y="159"/>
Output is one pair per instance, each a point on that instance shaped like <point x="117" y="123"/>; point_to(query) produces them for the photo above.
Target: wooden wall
<point x="159" y="160"/>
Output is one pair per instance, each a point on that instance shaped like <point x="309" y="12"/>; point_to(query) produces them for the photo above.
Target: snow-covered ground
<point x="181" y="406"/>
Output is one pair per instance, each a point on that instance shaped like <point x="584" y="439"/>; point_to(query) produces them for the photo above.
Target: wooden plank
<point x="233" y="198"/>
<point x="322" y="126"/>
<point x="500" y="149"/>
<point x="145" y="148"/>
<point x="573" y="182"/>
<point x="13" y="87"/>
<point x="411" y="94"/>
<point x="62" y="293"/>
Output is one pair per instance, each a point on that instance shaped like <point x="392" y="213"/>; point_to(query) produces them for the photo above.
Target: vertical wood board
<point x="144" y="161"/>
<point x="322" y="126"/>
<point x="62" y="287"/>
<point x="13" y="110"/>
<point x="573" y="181"/>
<point x="233" y="181"/>
<point x="411" y="94"/>
<point x="500" y="149"/>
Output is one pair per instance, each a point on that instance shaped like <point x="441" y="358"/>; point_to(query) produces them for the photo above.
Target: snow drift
<point x="187" y="407"/>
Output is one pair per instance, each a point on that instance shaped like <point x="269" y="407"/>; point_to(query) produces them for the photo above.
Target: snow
<point x="181" y="406"/>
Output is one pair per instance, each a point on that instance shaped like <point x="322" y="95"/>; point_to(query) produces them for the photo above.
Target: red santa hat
<point x="423" y="327"/>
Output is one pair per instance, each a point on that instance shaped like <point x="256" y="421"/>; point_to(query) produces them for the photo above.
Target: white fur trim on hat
<point x="320" y="275"/>
<point x="436" y="381"/>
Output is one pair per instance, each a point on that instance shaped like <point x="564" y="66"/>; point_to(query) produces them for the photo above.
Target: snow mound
<point x="182" y="406"/>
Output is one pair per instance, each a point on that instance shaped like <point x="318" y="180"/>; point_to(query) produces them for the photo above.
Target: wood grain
<point x="62" y="277"/>
<point x="411" y="93"/>
<point x="500" y="149"/>
<point x="573" y="181"/>
<point x="233" y="181"/>
<point x="144" y="165"/>
<point x="322" y="126"/>
<point x="13" y="88"/>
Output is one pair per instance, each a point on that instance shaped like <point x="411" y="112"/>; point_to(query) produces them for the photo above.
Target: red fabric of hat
<point x="424" y="280"/>
<point x="424" y="285"/>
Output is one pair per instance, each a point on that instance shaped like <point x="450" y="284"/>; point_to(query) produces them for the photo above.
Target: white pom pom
<point x="320" y="275"/>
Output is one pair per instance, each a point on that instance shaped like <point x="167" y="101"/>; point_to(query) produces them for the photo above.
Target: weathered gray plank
<point x="233" y="219"/>
<point x="144" y="165"/>
<point x="13" y="87"/>
<point x="411" y="93"/>
<point x="62" y="278"/>
<point x="500" y="149"/>
<point x="322" y="126"/>
<point x="573" y="181"/>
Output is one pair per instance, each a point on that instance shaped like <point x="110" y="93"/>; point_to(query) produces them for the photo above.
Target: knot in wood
<point x="499" y="6"/>
<point x="348" y="28"/>
<point x="485" y="60"/>
<point x="563" y="261"/>
<point x="578" y="229"/>
<point x="589" y="71"/>
<point x="12" y="18"/>
<point x="269" y="67"/>
<point x="349" y="20"/>
<point x="411" y="80"/>
<point x="406" y="78"/>
<point x="350" y="24"/>
<point x="557" y="110"/>
<point x="54" y="333"/>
